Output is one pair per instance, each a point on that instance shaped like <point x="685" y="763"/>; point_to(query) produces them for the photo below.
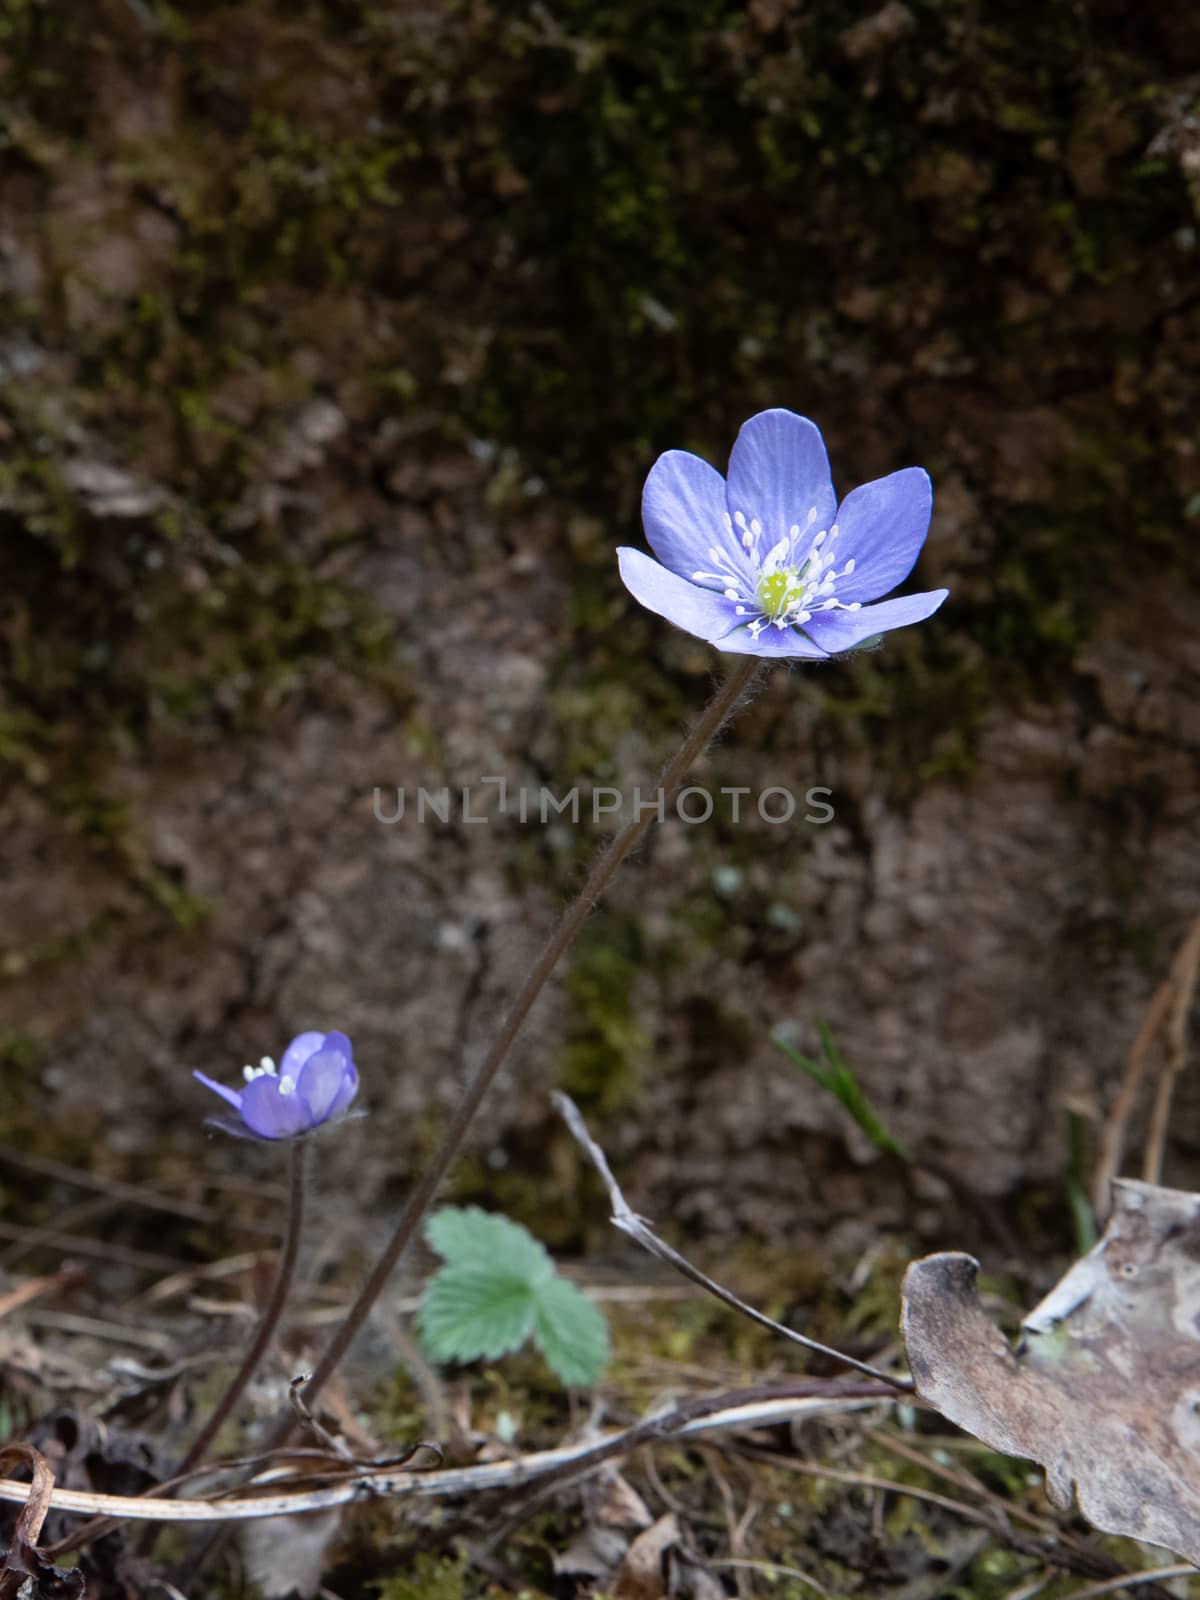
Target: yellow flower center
<point x="778" y="592"/>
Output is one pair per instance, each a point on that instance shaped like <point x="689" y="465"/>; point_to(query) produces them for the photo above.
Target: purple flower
<point x="766" y="562"/>
<point x="314" y="1083"/>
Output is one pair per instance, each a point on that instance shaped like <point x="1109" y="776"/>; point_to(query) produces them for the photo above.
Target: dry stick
<point x="89" y="1211"/>
<point x="771" y="1569"/>
<point x="637" y="1229"/>
<point x="75" y="1244"/>
<point x="962" y="1479"/>
<point x="112" y="1509"/>
<point x="1130" y="1580"/>
<point x="765" y="1405"/>
<point x="265" y="1332"/>
<point x="1112" y="1146"/>
<point x="1184" y="970"/>
<point x="136" y="1194"/>
<point x="65" y="1278"/>
<point x="703" y="731"/>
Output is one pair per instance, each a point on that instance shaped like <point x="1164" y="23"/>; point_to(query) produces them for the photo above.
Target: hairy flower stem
<point x="701" y="734"/>
<point x="263" y="1334"/>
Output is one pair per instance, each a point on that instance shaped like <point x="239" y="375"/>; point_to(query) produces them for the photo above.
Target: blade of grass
<point x="836" y="1078"/>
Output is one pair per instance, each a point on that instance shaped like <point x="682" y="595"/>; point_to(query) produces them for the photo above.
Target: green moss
<point x="432" y="1578"/>
<point x="23" y="1120"/>
<point x="605" y="1043"/>
<point x="637" y="175"/>
<point x="20" y="1055"/>
<point x="397" y="1412"/>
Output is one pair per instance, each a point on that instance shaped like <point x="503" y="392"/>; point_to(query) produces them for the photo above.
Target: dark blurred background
<point x="336" y="341"/>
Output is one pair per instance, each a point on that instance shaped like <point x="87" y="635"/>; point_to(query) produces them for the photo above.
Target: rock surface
<point x="334" y="351"/>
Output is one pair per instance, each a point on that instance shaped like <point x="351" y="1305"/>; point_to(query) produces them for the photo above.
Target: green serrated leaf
<point x="472" y="1311"/>
<point x="570" y="1332"/>
<point x="465" y="1234"/>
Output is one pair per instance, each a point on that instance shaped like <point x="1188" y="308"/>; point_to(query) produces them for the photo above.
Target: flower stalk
<point x="268" y="1325"/>
<point x="703" y="731"/>
<point x="285" y="1272"/>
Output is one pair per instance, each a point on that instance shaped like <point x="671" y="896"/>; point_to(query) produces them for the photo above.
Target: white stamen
<point x="740" y="612"/>
<point x="286" y="1086"/>
<point x="747" y="540"/>
<point x="266" y="1064"/>
<point x="755" y="526"/>
<point x="731" y="594"/>
<point x="740" y="518"/>
<point x="812" y="516"/>
<point x="834" y="531"/>
<point x="820" y="539"/>
<point x="855" y="605"/>
<point x="794" y="531"/>
<point x="775" y="555"/>
<point x="728" y="521"/>
<point x="848" y="568"/>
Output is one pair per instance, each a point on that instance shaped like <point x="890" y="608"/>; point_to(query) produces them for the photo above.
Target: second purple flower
<point x="313" y="1084"/>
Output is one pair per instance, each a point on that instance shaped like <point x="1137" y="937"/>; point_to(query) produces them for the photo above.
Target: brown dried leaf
<point x="613" y="1512"/>
<point x="286" y="1556"/>
<point x="643" y="1574"/>
<point x="23" y="1561"/>
<point x="1103" y="1389"/>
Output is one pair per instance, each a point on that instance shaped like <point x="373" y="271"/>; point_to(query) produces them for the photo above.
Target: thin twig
<point x="1130" y="1580"/>
<point x="270" y="1318"/>
<point x="67" y="1277"/>
<point x="867" y="1480"/>
<point x="1035" y="1585"/>
<point x="86" y="1212"/>
<point x="773" y="1568"/>
<point x="102" y="1328"/>
<point x="639" y="1230"/>
<point x="1112" y="1145"/>
<point x="75" y="1244"/>
<point x="309" y="1422"/>
<point x="267" y="1328"/>
<point x="1184" y="970"/>
<point x="962" y="1479"/>
<point x="135" y="1194"/>
<point x="180" y="1282"/>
